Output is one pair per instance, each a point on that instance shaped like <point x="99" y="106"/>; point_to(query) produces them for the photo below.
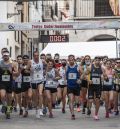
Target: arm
<point x="57" y="75"/>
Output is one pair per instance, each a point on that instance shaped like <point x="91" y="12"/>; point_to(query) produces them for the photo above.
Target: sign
<point x="81" y="25"/>
<point x="54" y="38"/>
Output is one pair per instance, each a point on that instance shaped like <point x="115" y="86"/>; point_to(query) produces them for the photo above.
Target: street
<point x="60" y="121"/>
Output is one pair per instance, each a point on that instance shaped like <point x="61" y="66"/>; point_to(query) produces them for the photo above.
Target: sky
<point x="79" y="49"/>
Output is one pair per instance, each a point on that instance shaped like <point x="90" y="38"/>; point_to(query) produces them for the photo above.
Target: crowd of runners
<point x="46" y="81"/>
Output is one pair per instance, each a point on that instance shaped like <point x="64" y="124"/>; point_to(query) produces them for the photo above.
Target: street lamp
<point x="19" y="7"/>
<point x="116" y="32"/>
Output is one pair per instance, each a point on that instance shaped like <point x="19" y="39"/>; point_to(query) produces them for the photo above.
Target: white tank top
<point x="110" y="77"/>
<point x="50" y="83"/>
<point x="19" y="79"/>
<point x="62" y="73"/>
<point x="37" y="72"/>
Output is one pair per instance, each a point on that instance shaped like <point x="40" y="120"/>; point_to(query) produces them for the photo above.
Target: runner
<point x="108" y="87"/>
<point x="117" y="86"/>
<point x="52" y="77"/>
<point x="18" y="89"/>
<point x="43" y="58"/>
<point x="26" y="87"/>
<point x="73" y="79"/>
<point x="57" y="61"/>
<point x="84" y="84"/>
<point x="37" y="83"/>
<point x="62" y="88"/>
<point x="8" y="69"/>
<point x="95" y="86"/>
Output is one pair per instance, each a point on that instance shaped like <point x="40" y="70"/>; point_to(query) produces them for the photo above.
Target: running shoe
<point x="44" y="111"/>
<point x="37" y="115"/>
<point x="96" y="117"/>
<point x="25" y="114"/>
<point x="107" y="115"/>
<point x="50" y="115"/>
<point x="8" y="115"/>
<point x="63" y="110"/>
<point x="3" y="109"/>
<point x="83" y="111"/>
<point x="88" y="112"/>
<point x="116" y="113"/>
<point x="40" y="112"/>
<point x="21" y="112"/>
<point x="73" y="117"/>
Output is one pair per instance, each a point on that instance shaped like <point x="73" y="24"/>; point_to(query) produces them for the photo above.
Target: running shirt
<point x="50" y="83"/>
<point x="117" y="79"/>
<point x="96" y="75"/>
<point x="25" y="75"/>
<point x="72" y="75"/>
<point x="109" y="73"/>
<point x="85" y="69"/>
<point x="62" y="73"/>
<point x="37" y="72"/>
<point x="58" y="65"/>
<point x="5" y="74"/>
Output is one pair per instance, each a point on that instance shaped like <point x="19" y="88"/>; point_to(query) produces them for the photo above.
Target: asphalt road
<point x="60" y="121"/>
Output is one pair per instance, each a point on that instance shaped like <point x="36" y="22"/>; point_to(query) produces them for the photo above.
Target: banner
<point x="83" y="25"/>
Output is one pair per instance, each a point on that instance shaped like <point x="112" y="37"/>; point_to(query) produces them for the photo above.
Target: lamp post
<point x="19" y="7"/>
<point x="116" y="32"/>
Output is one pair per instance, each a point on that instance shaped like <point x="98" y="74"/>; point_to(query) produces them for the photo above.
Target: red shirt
<point x="58" y="65"/>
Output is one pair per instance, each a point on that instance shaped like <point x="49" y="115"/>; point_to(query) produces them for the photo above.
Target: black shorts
<point x="7" y="86"/>
<point x="62" y="86"/>
<point x="75" y="91"/>
<point x="25" y="86"/>
<point x="94" y="91"/>
<point x="84" y="84"/>
<point x="52" y="90"/>
<point x="17" y="88"/>
<point x="115" y="88"/>
<point x="108" y="88"/>
<point x="35" y="85"/>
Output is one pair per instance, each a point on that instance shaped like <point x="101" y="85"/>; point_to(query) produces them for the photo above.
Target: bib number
<point x="62" y="82"/>
<point x="72" y="76"/>
<point x="50" y="83"/>
<point x="108" y="83"/>
<point x="5" y="78"/>
<point x="96" y="81"/>
<point x="26" y="79"/>
<point x="37" y="77"/>
<point x="19" y="85"/>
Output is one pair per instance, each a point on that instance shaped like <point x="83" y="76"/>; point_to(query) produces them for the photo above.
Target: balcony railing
<point x="96" y="8"/>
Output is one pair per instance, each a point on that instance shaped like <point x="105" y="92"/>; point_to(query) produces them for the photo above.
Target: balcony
<point x="96" y="8"/>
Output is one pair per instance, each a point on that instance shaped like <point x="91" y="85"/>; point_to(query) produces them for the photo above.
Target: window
<point x="56" y="9"/>
<point x="102" y="8"/>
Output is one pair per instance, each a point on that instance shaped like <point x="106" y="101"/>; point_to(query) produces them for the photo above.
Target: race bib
<point x="26" y="79"/>
<point x="19" y="85"/>
<point x="62" y="82"/>
<point x="108" y="82"/>
<point x="72" y="76"/>
<point x="50" y="83"/>
<point x="5" y="78"/>
<point x="96" y="81"/>
<point x="37" y="76"/>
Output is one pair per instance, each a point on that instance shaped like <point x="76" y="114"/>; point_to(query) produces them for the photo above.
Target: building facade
<point x="90" y="9"/>
<point x="7" y="39"/>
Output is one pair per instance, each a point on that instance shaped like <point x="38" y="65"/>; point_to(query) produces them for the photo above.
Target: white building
<point x="87" y="9"/>
<point x="7" y="39"/>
